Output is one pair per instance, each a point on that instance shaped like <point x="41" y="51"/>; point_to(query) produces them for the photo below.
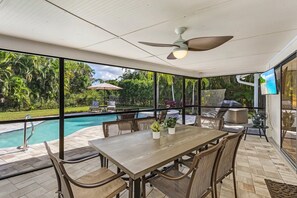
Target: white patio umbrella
<point x="104" y="86"/>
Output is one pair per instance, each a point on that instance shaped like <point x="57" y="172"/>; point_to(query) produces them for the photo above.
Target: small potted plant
<point x="155" y="127"/>
<point x="170" y="124"/>
<point x="259" y="119"/>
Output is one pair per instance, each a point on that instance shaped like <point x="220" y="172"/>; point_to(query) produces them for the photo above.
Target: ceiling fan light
<point x="180" y="53"/>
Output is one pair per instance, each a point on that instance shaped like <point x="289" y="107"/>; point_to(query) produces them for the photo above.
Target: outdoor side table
<point x="260" y="128"/>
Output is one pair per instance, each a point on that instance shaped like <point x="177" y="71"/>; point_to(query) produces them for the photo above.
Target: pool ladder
<point x="26" y="139"/>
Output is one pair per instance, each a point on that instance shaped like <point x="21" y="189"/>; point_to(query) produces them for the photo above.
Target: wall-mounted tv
<point x="268" y="82"/>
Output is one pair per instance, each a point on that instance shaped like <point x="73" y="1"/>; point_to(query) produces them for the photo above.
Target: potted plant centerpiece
<point x="170" y="124"/>
<point x="155" y="127"/>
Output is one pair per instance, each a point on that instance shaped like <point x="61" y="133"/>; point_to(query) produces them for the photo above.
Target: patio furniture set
<point x="212" y="155"/>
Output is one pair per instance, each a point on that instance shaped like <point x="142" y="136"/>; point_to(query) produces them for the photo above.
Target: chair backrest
<point x="227" y="161"/>
<point x="143" y="123"/>
<point x="95" y="103"/>
<point x="113" y="128"/>
<point x="111" y="103"/>
<point x="204" y="165"/>
<point x="126" y="125"/>
<point x="64" y="187"/>
<point x="209" y="122"/>
<point x="127" y="116"/>
<point x="162" y="115"/>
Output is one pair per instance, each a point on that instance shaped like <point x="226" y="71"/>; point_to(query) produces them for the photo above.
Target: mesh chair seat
<point x="109" y="190"/>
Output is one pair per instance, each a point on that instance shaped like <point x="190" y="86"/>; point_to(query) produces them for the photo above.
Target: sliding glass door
<point x="288" y="113"/>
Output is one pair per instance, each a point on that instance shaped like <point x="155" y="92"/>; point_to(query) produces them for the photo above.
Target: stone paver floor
<point x="256" y="160"/>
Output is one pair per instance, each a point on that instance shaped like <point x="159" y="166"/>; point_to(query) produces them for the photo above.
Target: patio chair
<point x="99" y="183"/>
<point x="95" y="106"/>
<point x="226" y="165"/>
<point x="114" y="128"/>
<point x="203" y="170"/>
<point x="143" y="123"/>
<point x="111" y="105"/>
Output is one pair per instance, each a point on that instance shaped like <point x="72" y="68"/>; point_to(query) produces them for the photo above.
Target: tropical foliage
<point x="29" y="82"/>
<point x="232" y="89"/>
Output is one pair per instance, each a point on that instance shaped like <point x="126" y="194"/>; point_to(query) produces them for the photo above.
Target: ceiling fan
<point x="195" y="44"/>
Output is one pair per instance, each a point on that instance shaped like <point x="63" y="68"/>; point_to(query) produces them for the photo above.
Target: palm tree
<point x="169" y="80"/>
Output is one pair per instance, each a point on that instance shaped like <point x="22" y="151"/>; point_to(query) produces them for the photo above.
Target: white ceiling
<point x="261" y="29"/>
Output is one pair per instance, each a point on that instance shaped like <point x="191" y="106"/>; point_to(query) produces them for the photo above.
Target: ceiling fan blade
<point x="158" y="44"/>
<point x="171" y="56"/>
<point x="206" y="43"/>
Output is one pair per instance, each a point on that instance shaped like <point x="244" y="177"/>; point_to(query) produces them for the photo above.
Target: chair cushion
<point x="108" y="190"/>
<point x="172" y="188"/>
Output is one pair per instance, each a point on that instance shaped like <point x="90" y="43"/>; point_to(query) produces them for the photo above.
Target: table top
<point x="138" y="153"/>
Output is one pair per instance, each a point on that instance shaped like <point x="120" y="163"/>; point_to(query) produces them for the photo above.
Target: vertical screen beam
<point x="184" y="100"/>
<point x="155" y="94"/>
<point x="61" y="108"/>
<point x="199" y="96"/>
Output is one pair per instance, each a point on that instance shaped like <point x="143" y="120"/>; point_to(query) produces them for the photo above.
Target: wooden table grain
<point x="138" y="153"/>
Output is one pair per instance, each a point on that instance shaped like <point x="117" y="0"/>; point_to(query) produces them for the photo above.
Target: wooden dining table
<point x="138" y="154"/>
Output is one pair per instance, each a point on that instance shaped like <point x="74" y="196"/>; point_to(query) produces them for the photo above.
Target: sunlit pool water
<point x="49" y="130"/>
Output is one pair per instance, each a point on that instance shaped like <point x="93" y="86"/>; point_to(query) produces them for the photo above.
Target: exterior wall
<point x="273" y="101"/>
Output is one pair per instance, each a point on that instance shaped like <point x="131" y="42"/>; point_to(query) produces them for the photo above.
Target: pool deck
<point x="13" y="160"/>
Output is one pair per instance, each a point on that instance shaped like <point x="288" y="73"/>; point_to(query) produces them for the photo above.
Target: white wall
<point x="19" y="44"/>
<point x="273" y="101"/>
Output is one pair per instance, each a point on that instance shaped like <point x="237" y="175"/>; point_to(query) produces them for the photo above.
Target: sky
<point x="106" y="72"/>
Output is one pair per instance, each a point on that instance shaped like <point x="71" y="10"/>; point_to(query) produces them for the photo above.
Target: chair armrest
<point x="93" y="185"/>
<point x="159" y="173"/>
<point x="80" y="160"/>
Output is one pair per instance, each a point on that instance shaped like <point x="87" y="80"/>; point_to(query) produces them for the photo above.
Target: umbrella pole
<point x="104" y="97"/>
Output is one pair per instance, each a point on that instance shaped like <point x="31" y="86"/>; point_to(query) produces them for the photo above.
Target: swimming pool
<point x="49" y="130"/>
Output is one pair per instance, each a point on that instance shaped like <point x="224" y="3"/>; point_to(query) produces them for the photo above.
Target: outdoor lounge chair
<point x="111" y="105"/>
<point x="95" y="106"/>
<point x="99" y="183"/>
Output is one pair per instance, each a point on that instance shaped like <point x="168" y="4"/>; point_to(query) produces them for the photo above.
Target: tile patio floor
<point x="256" y="160"/>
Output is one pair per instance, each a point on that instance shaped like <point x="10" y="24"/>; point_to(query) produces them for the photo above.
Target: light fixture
<point x="180" y="52"/>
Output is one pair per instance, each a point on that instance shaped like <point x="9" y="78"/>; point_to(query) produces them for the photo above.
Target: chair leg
<point x="217" y="189"/>
<point x="234" y="183"/>
<point x="214" y="193"/>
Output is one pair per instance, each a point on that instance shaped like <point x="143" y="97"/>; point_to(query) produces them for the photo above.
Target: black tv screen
<point x="268" y="82"/>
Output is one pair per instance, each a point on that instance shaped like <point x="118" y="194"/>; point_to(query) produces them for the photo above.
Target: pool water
<point x="49" y="130"/>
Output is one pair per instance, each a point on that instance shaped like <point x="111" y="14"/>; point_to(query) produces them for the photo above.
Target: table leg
<point x="137" y="191"/>
<point x="260" y="132"/>
<point x="245" y="132"/>
<point x="130" y="188"/>
<point x="264" y="133"/>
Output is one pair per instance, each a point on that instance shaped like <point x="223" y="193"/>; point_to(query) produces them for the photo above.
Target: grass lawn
<point x="51" y="112"/>
<point x="40" y="113"/>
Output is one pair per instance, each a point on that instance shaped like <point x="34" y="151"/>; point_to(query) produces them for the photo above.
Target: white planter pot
<point x="156" y="135"/>
<point x="171" y="131"/>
